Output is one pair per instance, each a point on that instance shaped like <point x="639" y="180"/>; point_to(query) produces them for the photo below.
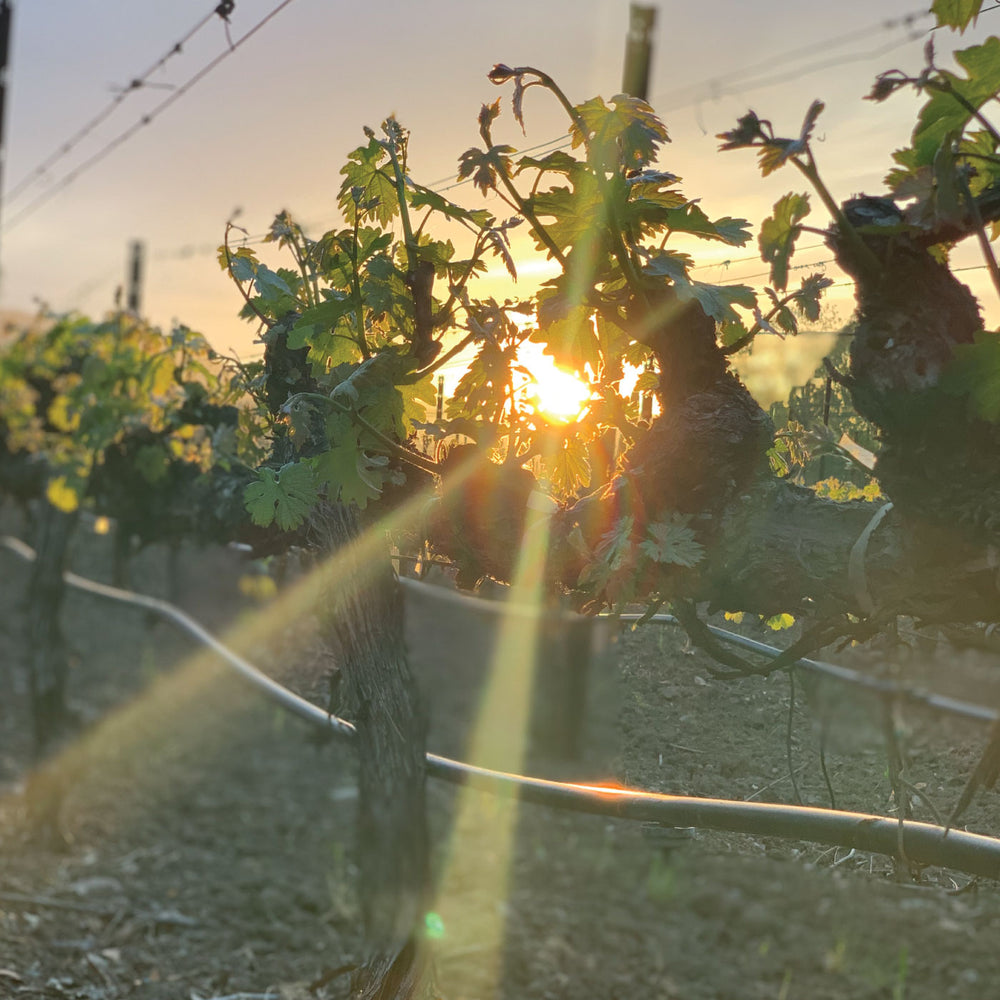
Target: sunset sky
<point x="268" y="128"/>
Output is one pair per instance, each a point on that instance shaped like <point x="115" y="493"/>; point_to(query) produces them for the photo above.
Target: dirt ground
<point x="211" y="849"/>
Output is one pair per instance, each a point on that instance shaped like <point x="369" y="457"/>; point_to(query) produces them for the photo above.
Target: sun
<point x="558" y="394"/>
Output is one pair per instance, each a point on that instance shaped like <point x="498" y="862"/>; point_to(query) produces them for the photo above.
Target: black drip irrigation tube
<point x="922" y="843"/>
<point x="877" y="685"/>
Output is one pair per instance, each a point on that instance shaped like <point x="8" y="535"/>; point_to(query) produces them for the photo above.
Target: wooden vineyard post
<point x="46" y="647"/>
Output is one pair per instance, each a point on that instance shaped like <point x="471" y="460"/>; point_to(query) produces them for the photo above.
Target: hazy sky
<point x="268" y="128"/>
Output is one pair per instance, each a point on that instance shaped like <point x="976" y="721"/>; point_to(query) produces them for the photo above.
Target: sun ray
<point x="474" y="883"/>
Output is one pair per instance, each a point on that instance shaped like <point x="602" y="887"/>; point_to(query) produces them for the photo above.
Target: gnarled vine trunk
<point x="363" y="616"/>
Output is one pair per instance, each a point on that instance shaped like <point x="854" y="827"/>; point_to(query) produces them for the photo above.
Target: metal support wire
<point x="923" y="843"/>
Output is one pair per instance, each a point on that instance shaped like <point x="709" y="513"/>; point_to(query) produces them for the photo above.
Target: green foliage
<point x="953" y="100"/>
<point x="629" y="560"/>
<point x="379" y="304"/>
<point x="806" y="448"/>
<point x="953" y="147"/>
<point x="83" y="394"/>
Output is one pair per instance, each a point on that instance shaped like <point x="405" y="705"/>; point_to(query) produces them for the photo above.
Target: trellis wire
<point x="923" y="843"/>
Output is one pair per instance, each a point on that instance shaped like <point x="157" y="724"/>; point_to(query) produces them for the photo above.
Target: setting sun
<point x="557" y="393"/>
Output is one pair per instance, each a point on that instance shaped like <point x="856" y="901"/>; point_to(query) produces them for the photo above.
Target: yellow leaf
<point x="61" y="495"/>
<point x="161" y="375"/>
<point x="60" y="415"/>
<point x="779" y="622"/>
<point x="258" y="586"/>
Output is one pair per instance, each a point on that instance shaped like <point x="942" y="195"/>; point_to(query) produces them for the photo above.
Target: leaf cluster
<point x="630" y="561"/>
<point x="79" y="394"/>
<point x="953" y="153"/>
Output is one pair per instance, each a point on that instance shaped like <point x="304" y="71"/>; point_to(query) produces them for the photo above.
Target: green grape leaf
<point x="284" y="497"/>
<point x="613" y="341"/>
<point x="482" y="166"/>
<point x="575" y="213"/>
<point x="731" y="331"/>
<point x="368" y="189"/>
<point x="437" y="252"/>
<point x="244" y="268"/>
<point x="690" y="218"/>
<point x="381" y="267"/>
<point x="807" y="298"/>
<point x="614" y="553"/>
<point x="783" y="316"/>
<point x="647" y="382"/>
<point x="333" y="347"/>
<point x="974" y="372"/>
<point x="673" y="541"/>
<point x="480" y="393"/>
<point x="718" y="300"/>
<point x="558" y="161"/>
<point x="242" y="262"/>
<point x="979" y="149"/>
<point x="777" y="152"/>
<point x="667" y="264"/>
<point x="271" y="284"/>
<point x="381" y="404"/>
<point x="779" y="232"/>
<point x="500" y="245"/>
<point x="956" y="13"/>
<point x="422" y="197"/>
<point x="569" y="467"/>
<point x="348" y="472"/>
<point x="418" y="398"/>
<point x="628" y="134"/>
<point x="316" y="319"/>
<point x="337" y="253"/>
